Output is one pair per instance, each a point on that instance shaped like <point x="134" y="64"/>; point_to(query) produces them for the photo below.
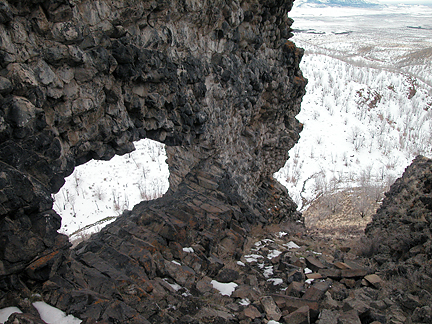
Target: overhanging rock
<point x="217" y="81"/>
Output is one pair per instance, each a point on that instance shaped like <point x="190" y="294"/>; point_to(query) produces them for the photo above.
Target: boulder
<point x="251" y="312"/>
<point x="314" y="264"/>
<point x="272" y="311"/>
<point x="24" y="318"/>
<point x="300" y="316"/>
<point x="349" y="317"/>
<point x="227" y="275"/>
<point x="374" y="280"/>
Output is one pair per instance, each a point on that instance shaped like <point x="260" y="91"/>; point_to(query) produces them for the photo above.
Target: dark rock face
<point x="401" y="235"/>
<point x="216" y="81"/>
<point x="404" y="221"/>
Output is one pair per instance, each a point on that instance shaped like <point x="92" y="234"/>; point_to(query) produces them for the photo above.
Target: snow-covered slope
<point x="395" y="38"/>
<point x="360" y="124"/>
<point x="368" y="108"/>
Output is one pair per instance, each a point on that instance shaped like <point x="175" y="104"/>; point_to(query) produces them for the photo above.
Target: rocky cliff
<point x="217" y="81"/>
<point x="401" y="232"/>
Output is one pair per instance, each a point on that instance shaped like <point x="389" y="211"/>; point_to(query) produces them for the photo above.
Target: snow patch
<point x="244" y="302"/>
<point x="291" y="245"/>
<point x="188" y="250"/>
<point x="268" y="271"/>
<point x="276" y="281"/>
<point x="274" y="254"/>
<point x="263" y="242"/>
<point x="224" y="288"/>
<point x="52" y="315"/>
<point x="252" y="257"/>
<point x="6" y="312"/>
<point x="174" y="286"/>
<point x="281" y="234"/>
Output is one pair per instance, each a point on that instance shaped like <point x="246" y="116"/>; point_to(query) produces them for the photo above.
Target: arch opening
<point x="97" y="192"/>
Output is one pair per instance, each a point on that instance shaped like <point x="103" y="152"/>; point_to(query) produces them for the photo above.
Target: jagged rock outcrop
<point x="400" y="238"/>
<point x="217" y="81"/>
<point x="403" y="224"/>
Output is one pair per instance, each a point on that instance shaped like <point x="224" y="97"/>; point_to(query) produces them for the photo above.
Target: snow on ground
<point x="224" y="288"/>
<point x="244" y="302"/>
<point x="394" y="37"/>
<point x="291" y="245"/>
<point x="52" y="315"/>
<point x="276" y="281"/>
<point x="273" y="254"/>
<point x="6" y="312"/>
<point x="365" y="114"/>
<point x="99" y="191"/>
<point x="264" y="250"/>
<point x="174" y="286"/>
<point x="49" y="314"/>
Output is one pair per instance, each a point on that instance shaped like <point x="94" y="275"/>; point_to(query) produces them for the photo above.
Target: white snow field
<point x="368" y="108"/>
<point x="52" y="315"/>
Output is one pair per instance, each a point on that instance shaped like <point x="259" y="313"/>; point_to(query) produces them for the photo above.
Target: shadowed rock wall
<point x="217" y="81"/>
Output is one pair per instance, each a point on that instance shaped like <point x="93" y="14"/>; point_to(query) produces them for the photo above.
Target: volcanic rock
<point x="218" y="82"/>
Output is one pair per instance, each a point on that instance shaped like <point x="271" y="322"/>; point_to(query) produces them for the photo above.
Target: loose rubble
<point x="284" y="276"/>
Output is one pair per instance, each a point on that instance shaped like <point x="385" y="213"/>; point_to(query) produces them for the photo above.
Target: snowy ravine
<point x="99" y="191"/>
<point x="367" y="111"/>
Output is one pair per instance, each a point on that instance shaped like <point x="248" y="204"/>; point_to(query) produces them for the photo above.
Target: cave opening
<point x="97" y="192"/>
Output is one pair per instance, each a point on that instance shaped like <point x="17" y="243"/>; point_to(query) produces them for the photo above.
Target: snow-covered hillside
<point x="395" y="38"/>
<point x="360" y="124"/>
<point x="368" y="108"/>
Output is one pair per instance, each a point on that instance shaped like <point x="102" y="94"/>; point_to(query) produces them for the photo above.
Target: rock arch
<point x="216" y="81"/>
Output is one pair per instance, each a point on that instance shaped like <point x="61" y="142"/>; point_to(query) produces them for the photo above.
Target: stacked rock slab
<point x="217" y="81"/>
